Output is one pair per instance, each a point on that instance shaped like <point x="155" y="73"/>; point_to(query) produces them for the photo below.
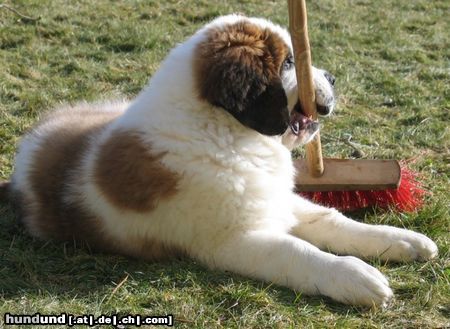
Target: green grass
<point x="391" y="60"/>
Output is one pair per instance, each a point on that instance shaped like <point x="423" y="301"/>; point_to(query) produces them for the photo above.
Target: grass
<point x="391" y="60"/>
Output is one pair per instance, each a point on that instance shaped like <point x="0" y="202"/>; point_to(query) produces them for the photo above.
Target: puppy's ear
<point x="248" y="96"/>
<point x="267" y="113"/>
<point x="231" y="82"/>
<point x="235" y="71"/>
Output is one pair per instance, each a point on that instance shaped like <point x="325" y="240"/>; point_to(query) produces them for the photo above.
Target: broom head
<point x="406" y="195"/>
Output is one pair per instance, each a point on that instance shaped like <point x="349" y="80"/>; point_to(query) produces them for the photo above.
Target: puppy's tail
<point x="5" y="187"/>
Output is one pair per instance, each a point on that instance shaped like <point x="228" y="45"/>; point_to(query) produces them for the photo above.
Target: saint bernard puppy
<point x="199" y="164"/>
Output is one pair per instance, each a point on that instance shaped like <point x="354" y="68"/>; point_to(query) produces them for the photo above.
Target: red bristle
<point x="407" y="197"/>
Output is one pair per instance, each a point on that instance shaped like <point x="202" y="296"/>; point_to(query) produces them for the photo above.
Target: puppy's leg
<point x="288" y="261"/>
<point x="328" y="229"/>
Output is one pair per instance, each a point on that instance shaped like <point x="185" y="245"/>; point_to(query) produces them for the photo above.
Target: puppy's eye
<point x="331" y="79"/>
<point x="288" y="63"/>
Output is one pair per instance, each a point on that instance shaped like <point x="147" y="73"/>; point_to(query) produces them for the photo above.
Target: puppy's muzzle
<point x="327" y="109"/>
<point x="299" y="122"/>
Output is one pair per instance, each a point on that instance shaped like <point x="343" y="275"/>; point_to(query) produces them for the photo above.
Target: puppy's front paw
<point x="405" y="245"/>
<point x="357" y="283"/>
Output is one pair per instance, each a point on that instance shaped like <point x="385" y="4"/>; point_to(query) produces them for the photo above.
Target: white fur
<point x="235" y="209"/>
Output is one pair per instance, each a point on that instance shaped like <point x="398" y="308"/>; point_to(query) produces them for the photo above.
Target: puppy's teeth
<point x="295" y="128"/>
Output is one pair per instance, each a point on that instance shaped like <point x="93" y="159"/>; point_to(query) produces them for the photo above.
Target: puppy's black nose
<point x="323" y="110"/>
<point x="331" y="79"/>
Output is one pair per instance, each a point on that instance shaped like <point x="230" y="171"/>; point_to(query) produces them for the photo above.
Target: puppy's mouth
<point x="299" y="122"/>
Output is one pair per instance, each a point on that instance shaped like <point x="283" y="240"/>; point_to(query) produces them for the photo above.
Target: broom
<point x="340" y="183"/>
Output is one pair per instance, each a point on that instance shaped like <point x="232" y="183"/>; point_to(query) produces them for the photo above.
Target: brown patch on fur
<point x="130" y="175"/>
<point x="54" y="165"/>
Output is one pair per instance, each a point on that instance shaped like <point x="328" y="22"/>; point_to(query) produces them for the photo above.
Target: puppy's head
<point x="245" y="66"/>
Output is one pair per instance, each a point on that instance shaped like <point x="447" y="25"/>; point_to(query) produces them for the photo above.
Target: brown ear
<point x="235" y="71"/>
<point x="249" y="97"/>
<point x="232" y="82"/>
<point x="268" y="112"/>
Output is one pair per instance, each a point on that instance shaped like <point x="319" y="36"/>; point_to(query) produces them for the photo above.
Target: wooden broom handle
<point x="298" y="27"/>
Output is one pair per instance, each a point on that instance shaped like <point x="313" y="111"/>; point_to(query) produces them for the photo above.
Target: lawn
<point x="391" y="60"/>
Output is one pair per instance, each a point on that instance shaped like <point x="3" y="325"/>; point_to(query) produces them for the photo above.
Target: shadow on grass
<point x="32" y="267"/>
